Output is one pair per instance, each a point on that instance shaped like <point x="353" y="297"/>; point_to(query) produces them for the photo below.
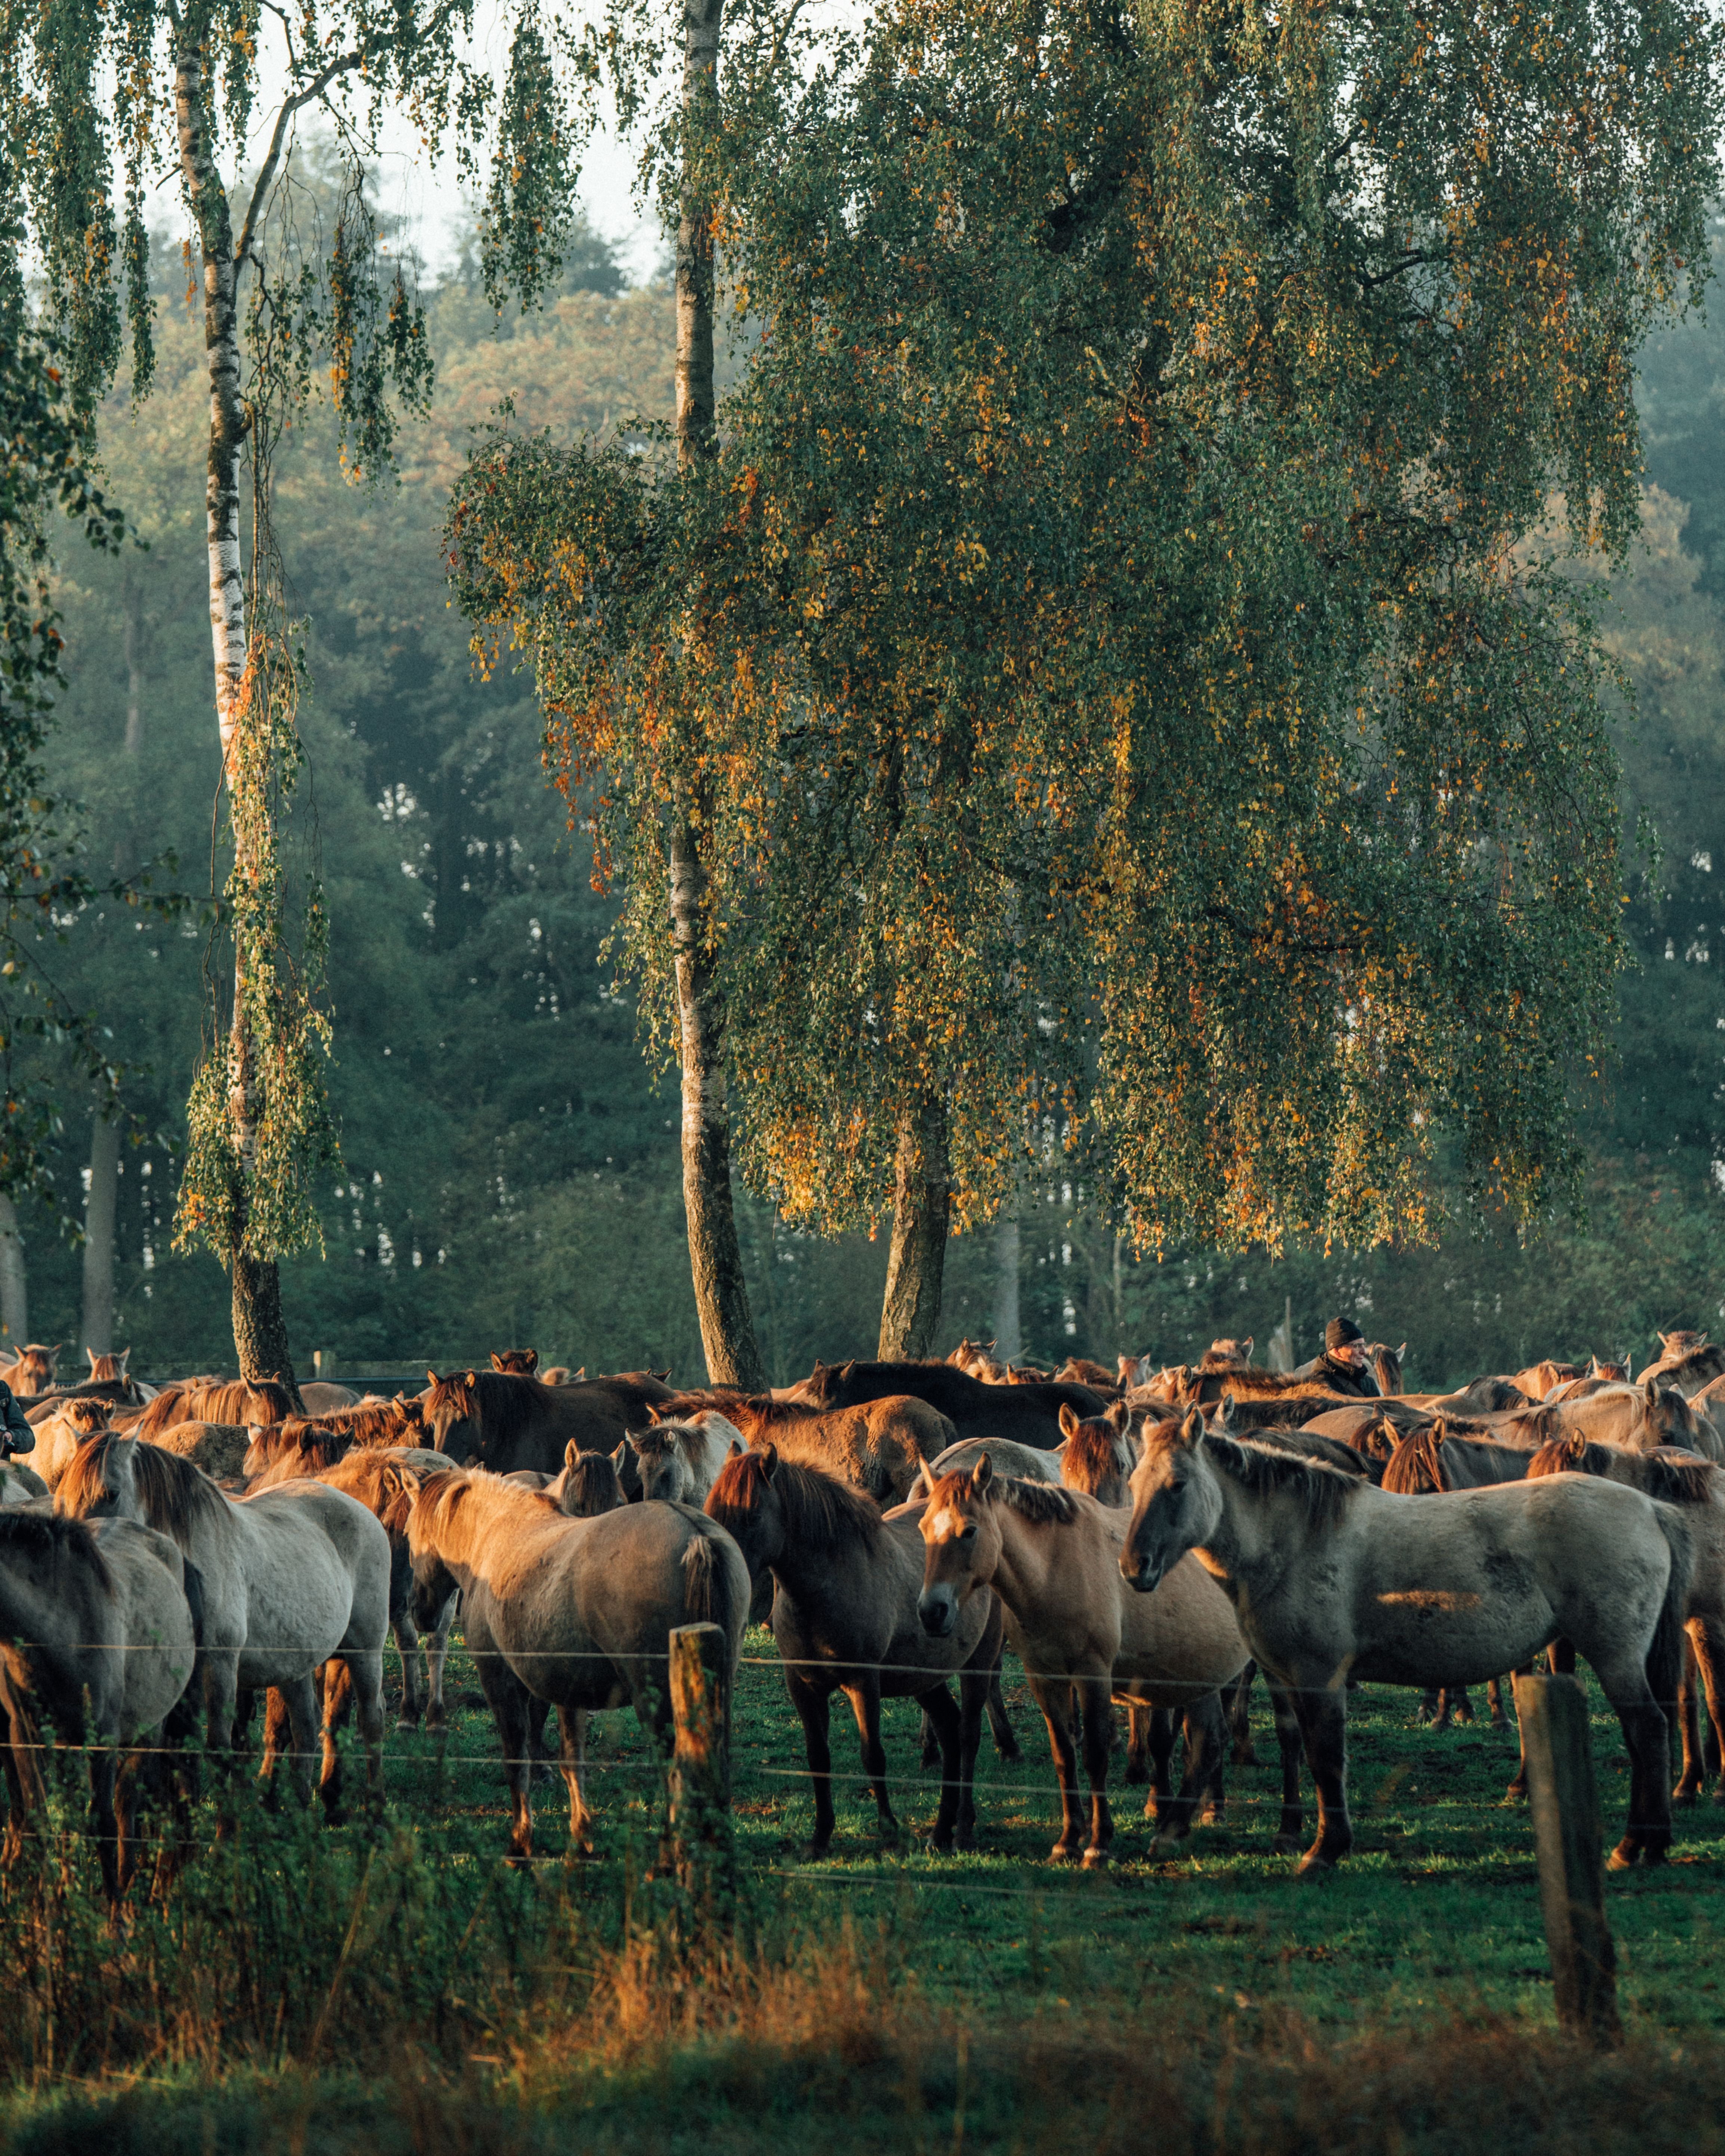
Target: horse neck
<point x="1245" y="1531"/>
<point x="1029" y="1558"/>
<point x="488" y="1509"/>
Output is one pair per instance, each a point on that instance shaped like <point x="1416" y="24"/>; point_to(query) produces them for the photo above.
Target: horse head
<point x="1177" y="1501"/>
<point x="744" y="1502"/>
<point x="516" y="1362"/>
<point x="101" y="1483"/>
<point x="449" y="1407"/>
<point x="961" y="1539"/>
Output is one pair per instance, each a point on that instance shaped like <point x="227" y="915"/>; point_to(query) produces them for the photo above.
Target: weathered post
<point x="700" y="1814"/>
<point x="1568" y="1836"/>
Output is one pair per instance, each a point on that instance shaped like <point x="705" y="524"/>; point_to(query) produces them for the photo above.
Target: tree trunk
<point x="727" y="1326"/>
<point x="727" y="1329"/>
<point x="911" y="1313"/>
<point x="99" y="1213"/>
<point x="134" y="603"/>
<point x="1008" y="1327"/>
<point x="259" y="1335"/>
<point x="14" y="1307"/>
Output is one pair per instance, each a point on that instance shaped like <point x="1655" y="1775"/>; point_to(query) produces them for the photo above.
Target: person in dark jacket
<point x="16" y="1434"/>
<point x="1343" y="1365"/>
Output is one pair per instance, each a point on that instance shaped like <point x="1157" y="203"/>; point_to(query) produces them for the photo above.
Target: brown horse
<point x="1335" y="1581"/>
<point x="236" y="1403"/>
<point x="516" y="1361"/>
<point x="370" y="1424"/>
<point x="33" y="1372"/>
<point x="492" y="1419"/>
<point x="1674" y="1478"/>
<point x="1640" y="1417"/>
<point x="1053" y="1558"/>
<point x="1226" y="1355"/>
<point x="1080" y="1370"/>
<point x="845" y="1617"/>
<point x="1098" y="1456"/>
<point x="879" y="1447"/>
<point x="1028" y="1412"/>
<point x="1686" y="1360"/>
<point x="1539" y="1378"/>
<point x="576" y="1612"/>
<point x="1386" y="1366"/>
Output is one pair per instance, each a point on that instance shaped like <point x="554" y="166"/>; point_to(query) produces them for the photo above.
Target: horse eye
<point x="968" y="1534"/>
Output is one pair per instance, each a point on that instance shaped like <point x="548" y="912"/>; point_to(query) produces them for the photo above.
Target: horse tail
<point x="1664" y="1656"/>
<point x="706" y="1583"/>
<point x="194" y="1600"/>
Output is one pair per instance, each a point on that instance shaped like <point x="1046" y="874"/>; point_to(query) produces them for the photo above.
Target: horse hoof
<point x="1212" y="1815"/>
<point x="1137" y="1773"/>
<point x="1517" y="1793"/>
<point x="964" y="1841"/>
<point x="1623" y="1857"/>
<point x="1287" y="1844"/>
<point x="1500" y="1720"/>
<point x="930" y="1759"/>
<point x="1094" y="1859"/>
<point x="1011" y="1750"/>
<point x="1685" y="1795"/>
<point x="1166" y="1847"/>
<point x="1063" y="1852"/>
<point x="1245" y="1756"/>
<point x="1313" y="1867"/>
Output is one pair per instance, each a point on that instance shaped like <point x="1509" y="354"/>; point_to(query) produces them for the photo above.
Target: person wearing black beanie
<point x="1343" y="1366"/>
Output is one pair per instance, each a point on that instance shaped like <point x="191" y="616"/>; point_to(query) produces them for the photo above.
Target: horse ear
<point x="846" y="1369"/>
<point x="1068" y="1420"/>
<point x="769" y="1461"/>
<point x="736" y="1451"/>
<point x="919" y="1481"/>
<point x="653" y="1414"/>
<point x="629" y="1439"/>
<point x="1650" y="1392"/>
<point x="1439" y="1431"/>
<point x="1246" y="1346"/>
<point x="496" y="1360"/>
<point x="571" y="1452"/>
<point x="1191" y="1428"/>
<point x="619" y="1456"/>
<point x="980" y="1475"/>
<point x="1576" y="1445"/>
<point x="431" y="1377"/>
<point x="94" y="1360"/>
<point x="471" y="1379"/>
<point x="1401" y="1351"/>
<point x="1120" y="1414"/>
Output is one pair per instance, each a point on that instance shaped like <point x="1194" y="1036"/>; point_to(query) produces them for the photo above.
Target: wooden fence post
<point x="1568" y="1836"/>
<point x="700" y="1814"/>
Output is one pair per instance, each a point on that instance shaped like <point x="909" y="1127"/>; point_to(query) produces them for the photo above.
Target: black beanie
<point x="1339" y="1331"/>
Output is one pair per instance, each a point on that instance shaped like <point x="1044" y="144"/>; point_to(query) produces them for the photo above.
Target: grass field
<point x="370" y="1989"/>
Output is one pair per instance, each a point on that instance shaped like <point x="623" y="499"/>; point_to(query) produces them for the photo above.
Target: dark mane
<point x="1327" y="1491"/>
<point x="173" y="1492"/>
<point x="821" y="1512"/>
<point x="593" y="1487"/>
<point x="1416" y="1466"/>
<point x="1677" y="1477"/>
<point x="54" y="1535"/>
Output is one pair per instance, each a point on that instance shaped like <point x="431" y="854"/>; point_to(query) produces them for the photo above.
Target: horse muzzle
<point x="938" y="1608"/>
<point x="1143" y="1573"/>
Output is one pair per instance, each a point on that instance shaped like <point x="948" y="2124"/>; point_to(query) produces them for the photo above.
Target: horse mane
<point x="1677" y="1477"/>
<point x="1090" y="1457"/>
<point x="175" y="1493"/>
<point x="301" y="1437"/>
<point x="1037" y="1501"/>
<point x="822" y="1513"/>
<point x="659" y="1438"/>
<point x="1416" y="1466"/>
<point x="592" y="1486"/>
<point x="54" y="1535"/>
<point x="1324" y="1490"/>
<point x="239" y="1402"/>
<point x="765" y="1413"/>
<point x="445" y="1492"/>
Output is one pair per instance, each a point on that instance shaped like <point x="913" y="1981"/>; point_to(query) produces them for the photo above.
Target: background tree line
<point x="510" y="1168"/>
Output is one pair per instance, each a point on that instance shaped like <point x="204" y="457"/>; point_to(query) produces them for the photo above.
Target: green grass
<point x="355" y="1990"/>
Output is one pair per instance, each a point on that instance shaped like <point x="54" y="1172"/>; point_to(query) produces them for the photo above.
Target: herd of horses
<point x="1151" y="1537"/>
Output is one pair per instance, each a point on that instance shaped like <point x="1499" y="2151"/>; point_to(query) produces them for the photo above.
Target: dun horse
<point x="1334" y="1581"/>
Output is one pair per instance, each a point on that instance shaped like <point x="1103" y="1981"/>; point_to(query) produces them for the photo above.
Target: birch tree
<point x="95" y="100"/>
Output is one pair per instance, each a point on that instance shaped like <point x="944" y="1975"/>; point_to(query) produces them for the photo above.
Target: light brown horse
<point x="1640" y="1417"/>
<point x="32" y="1372"/>
<point x="879" y="1447"/>
<point x="1698" y="1485"/>
<point x="680" y="1462"/>
<point x="236" y="1403"/>
<point x="1686" y="1360"/>
<point x="844" y="1617"/>
<point x="1335" y="1581"/>
<point x="575" y="1612"/>
<point x="1052" y="1557"/>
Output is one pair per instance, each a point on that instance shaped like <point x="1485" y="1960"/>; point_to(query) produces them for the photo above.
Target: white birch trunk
<point x="99" y="1212"/>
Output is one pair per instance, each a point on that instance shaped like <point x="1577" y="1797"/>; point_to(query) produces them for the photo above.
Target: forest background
<point x="511" y="1165"/>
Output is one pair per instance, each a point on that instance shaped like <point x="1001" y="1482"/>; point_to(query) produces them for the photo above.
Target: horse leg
<point x="1055" y="1701"/>
<point x="1463" y="1705"/>
<point x="572" y="1757"/>
<point x="931" y="1740"/>
<point x="1688" y="1788"/>
<point x="337" y="1700"/>
<point x="278" y="1737"/>
<point x="1137" y="1745"/>
<point x="943" y="1717"/>
<point x="1708" y="1637"/>
<point x="1430" y="1702"/>
<point x="1205" y="1734"/>
<point x="1561" y="1655"/>
<point x="1207" y="1752"/>
<point x="103" y="1821"/>
<point x="1006" y="1739"/>
<point x="1239" y="1703"/>
<point x="975" y="1690"/>
<point x="362" y="1681"/>
<point x="298" y="1695"/>
<point x="1323" y="1724"/>
<point x="406" y="1645"/>
<point x="813" y="1707"/>
<point x="1494" y="1700"/>
<point x="1291" y="1831"/>
<point x="435" y="1657"/>
<point x="1159" y="1739"/>
<point x="865" y="1696"/>
<point x="1096" y="1699"/>
<point x="1647" y="1740"/>
<point x="510" y="1704"/>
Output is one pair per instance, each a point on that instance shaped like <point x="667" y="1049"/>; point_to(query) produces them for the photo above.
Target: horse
<point x="32" y="1372"/>
<point x="879" y="1446"/>
<point x="1674" y="1478"/>
<point x="319" y="1396"/>
<point x="576" y="1612"/>
<point x="58" y="1436"/>
<point x="290" y="1577"/>
<point x="1029" y="1412"/>
<point x="845" y="1617"/>
<point x="589" y="1483"/>
<point x="1098" y="1456"/>
<point x="108" y="1369"/>
<point x="494" y="1419"/>
<point x="1334" y="1581"/>
<point x="1640" y="1417"/>
<point x="1479" y="1396"/>
<point x="1080" y="1370"/>
<point x="1052" y="1555"/>
<point x="516" y="1362"/>
<point x="1226" y="1355"/>
<point x="1386" y="1366"/>
<point x="1686" y="1360"/>
<point x="1540" y="1379"/>
<point x="976" y="1358"/>
<point x="98" y="1633"/>
<point x="681" y="1461"/>
<point x="235" y="1404"/>
<point x="368" y="1424"/>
